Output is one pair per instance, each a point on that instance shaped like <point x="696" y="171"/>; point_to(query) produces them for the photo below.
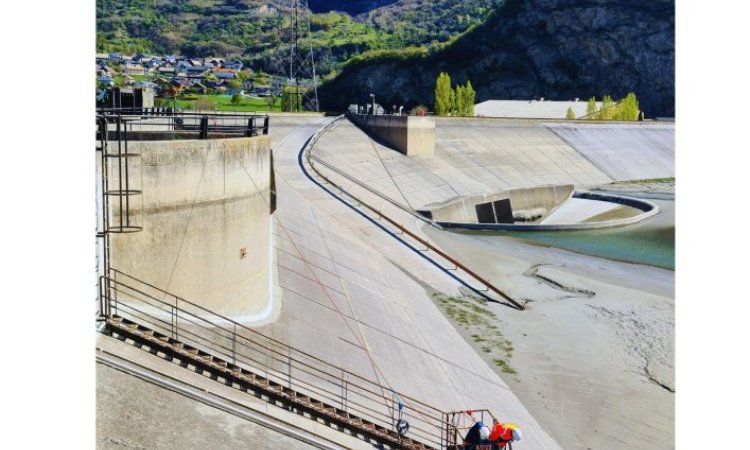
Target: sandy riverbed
<point x="592" y="357"/>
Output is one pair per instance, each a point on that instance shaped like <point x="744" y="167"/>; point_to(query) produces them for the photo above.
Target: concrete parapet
<point x="648" y="209"/>
<point x="528" y="203"/>
<point x="410" y="135"/>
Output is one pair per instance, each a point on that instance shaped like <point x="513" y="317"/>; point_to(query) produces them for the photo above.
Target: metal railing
<point x="165" y="123"/>
<point x="307" y="150"/>
<point x="124" y="296"/>
<point x="458" y="423"/>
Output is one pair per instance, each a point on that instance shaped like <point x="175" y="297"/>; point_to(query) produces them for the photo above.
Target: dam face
<point x="350" y="294"/>
<point x="206" y="222"/>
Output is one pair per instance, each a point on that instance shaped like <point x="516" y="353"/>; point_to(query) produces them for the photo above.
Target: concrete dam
<point x="320" y="276"/>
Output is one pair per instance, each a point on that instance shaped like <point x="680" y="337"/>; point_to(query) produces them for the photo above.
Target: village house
<point x="197" y="72"/>
<point x="223" y="73"/>
<point x="132" y="68"/>
<point x="236" y="65"/>
<point x="166" y="70"/>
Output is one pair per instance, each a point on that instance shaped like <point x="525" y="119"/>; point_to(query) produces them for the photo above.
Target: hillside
<point x="557" y="49"/>
<point x="254" y="30"/>
<point x="351" y="7"/>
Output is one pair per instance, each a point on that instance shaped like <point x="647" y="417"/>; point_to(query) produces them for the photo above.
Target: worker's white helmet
<point x="517" y="435"/>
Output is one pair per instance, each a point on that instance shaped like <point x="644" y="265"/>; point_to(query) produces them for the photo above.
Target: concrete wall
<point x="203" y="202"/>
<point x="527" y="203"/>
<point x="410" y="135"/>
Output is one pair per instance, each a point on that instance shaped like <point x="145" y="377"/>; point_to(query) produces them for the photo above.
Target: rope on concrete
<point x="322" y="286"/>
<point x="190" y="216"/>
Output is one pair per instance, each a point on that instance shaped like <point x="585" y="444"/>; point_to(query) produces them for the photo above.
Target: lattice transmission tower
<point x="295" y="52"/>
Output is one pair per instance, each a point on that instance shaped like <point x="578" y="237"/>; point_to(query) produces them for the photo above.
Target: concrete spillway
<point x="583" y="396"/>
<point x="475" y="156"/>
<point x="623" y="151"/>
<point x="347" y="299"/>
<point x="345" y="291"/>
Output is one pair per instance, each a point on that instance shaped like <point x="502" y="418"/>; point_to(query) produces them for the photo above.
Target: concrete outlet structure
<point x="410" y="135"/>
<point x="206" y="222"/>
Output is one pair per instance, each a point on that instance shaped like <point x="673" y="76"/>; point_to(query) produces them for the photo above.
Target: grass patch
<point x="218" y="102"/>
<point x="647" y="181"/>
<point x="504" y="366"/>
<point x="474" y="316"/>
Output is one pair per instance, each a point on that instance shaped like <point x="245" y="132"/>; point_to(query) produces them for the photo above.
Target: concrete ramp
<point x="347" y="301"/>
<point x="623" y="151"/>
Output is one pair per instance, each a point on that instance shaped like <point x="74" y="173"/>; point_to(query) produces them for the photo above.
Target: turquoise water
<point x="654" y="247"/>
<point x="651" y="242"/>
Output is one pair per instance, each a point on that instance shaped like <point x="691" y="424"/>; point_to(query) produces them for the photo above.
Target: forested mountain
<point x="254" y="30"/>
<point x="352" y="7"/>
<point x="557" y="49"/>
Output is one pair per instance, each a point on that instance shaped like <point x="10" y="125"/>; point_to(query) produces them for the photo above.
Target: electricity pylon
<point x="295" y="48"/>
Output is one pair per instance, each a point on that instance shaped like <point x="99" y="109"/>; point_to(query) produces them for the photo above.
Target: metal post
<point x="344" y="390"/>
<point x="102" y="307"/>
<point x="289" y="365"/>
<point x="234" y="344"/>
<point x="176" y="319"/>
<point x="204" y="128"/>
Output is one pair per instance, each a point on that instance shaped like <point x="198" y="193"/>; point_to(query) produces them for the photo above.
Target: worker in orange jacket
<point x="502" y="433"/>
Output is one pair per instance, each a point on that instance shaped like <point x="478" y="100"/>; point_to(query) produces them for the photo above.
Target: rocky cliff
<point x="556" y="49"/>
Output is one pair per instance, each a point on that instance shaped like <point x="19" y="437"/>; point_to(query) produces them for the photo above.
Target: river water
<point x="650" y="242"/>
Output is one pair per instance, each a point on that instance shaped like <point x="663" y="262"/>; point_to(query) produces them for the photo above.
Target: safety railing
<point x="126" y="297"/>
<point x="165" y="125"/>
<point x="458" y="423"/>
<point x="307" y="150"/>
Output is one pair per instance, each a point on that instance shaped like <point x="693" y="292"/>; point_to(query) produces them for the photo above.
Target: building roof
<point x="530" y="109"/>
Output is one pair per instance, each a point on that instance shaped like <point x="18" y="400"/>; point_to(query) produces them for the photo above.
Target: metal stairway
<point x="214" y="346"/>
<point x="247" y="381"/>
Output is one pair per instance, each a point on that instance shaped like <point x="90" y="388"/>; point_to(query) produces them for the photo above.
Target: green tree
<point x="470" y="98"/>
<point x="609" y="108"/>
<point x="234" y="83"/>
<point x="452" y="102"/>
<point x="460" y="106"/>
<point x="244" y="75"/>
<point x="443" y="95"/>
<point x="629" y="108"/>
<point x="591" y="108"/>
<point x="236" y="99"/>
<point x="570" y="115"/>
